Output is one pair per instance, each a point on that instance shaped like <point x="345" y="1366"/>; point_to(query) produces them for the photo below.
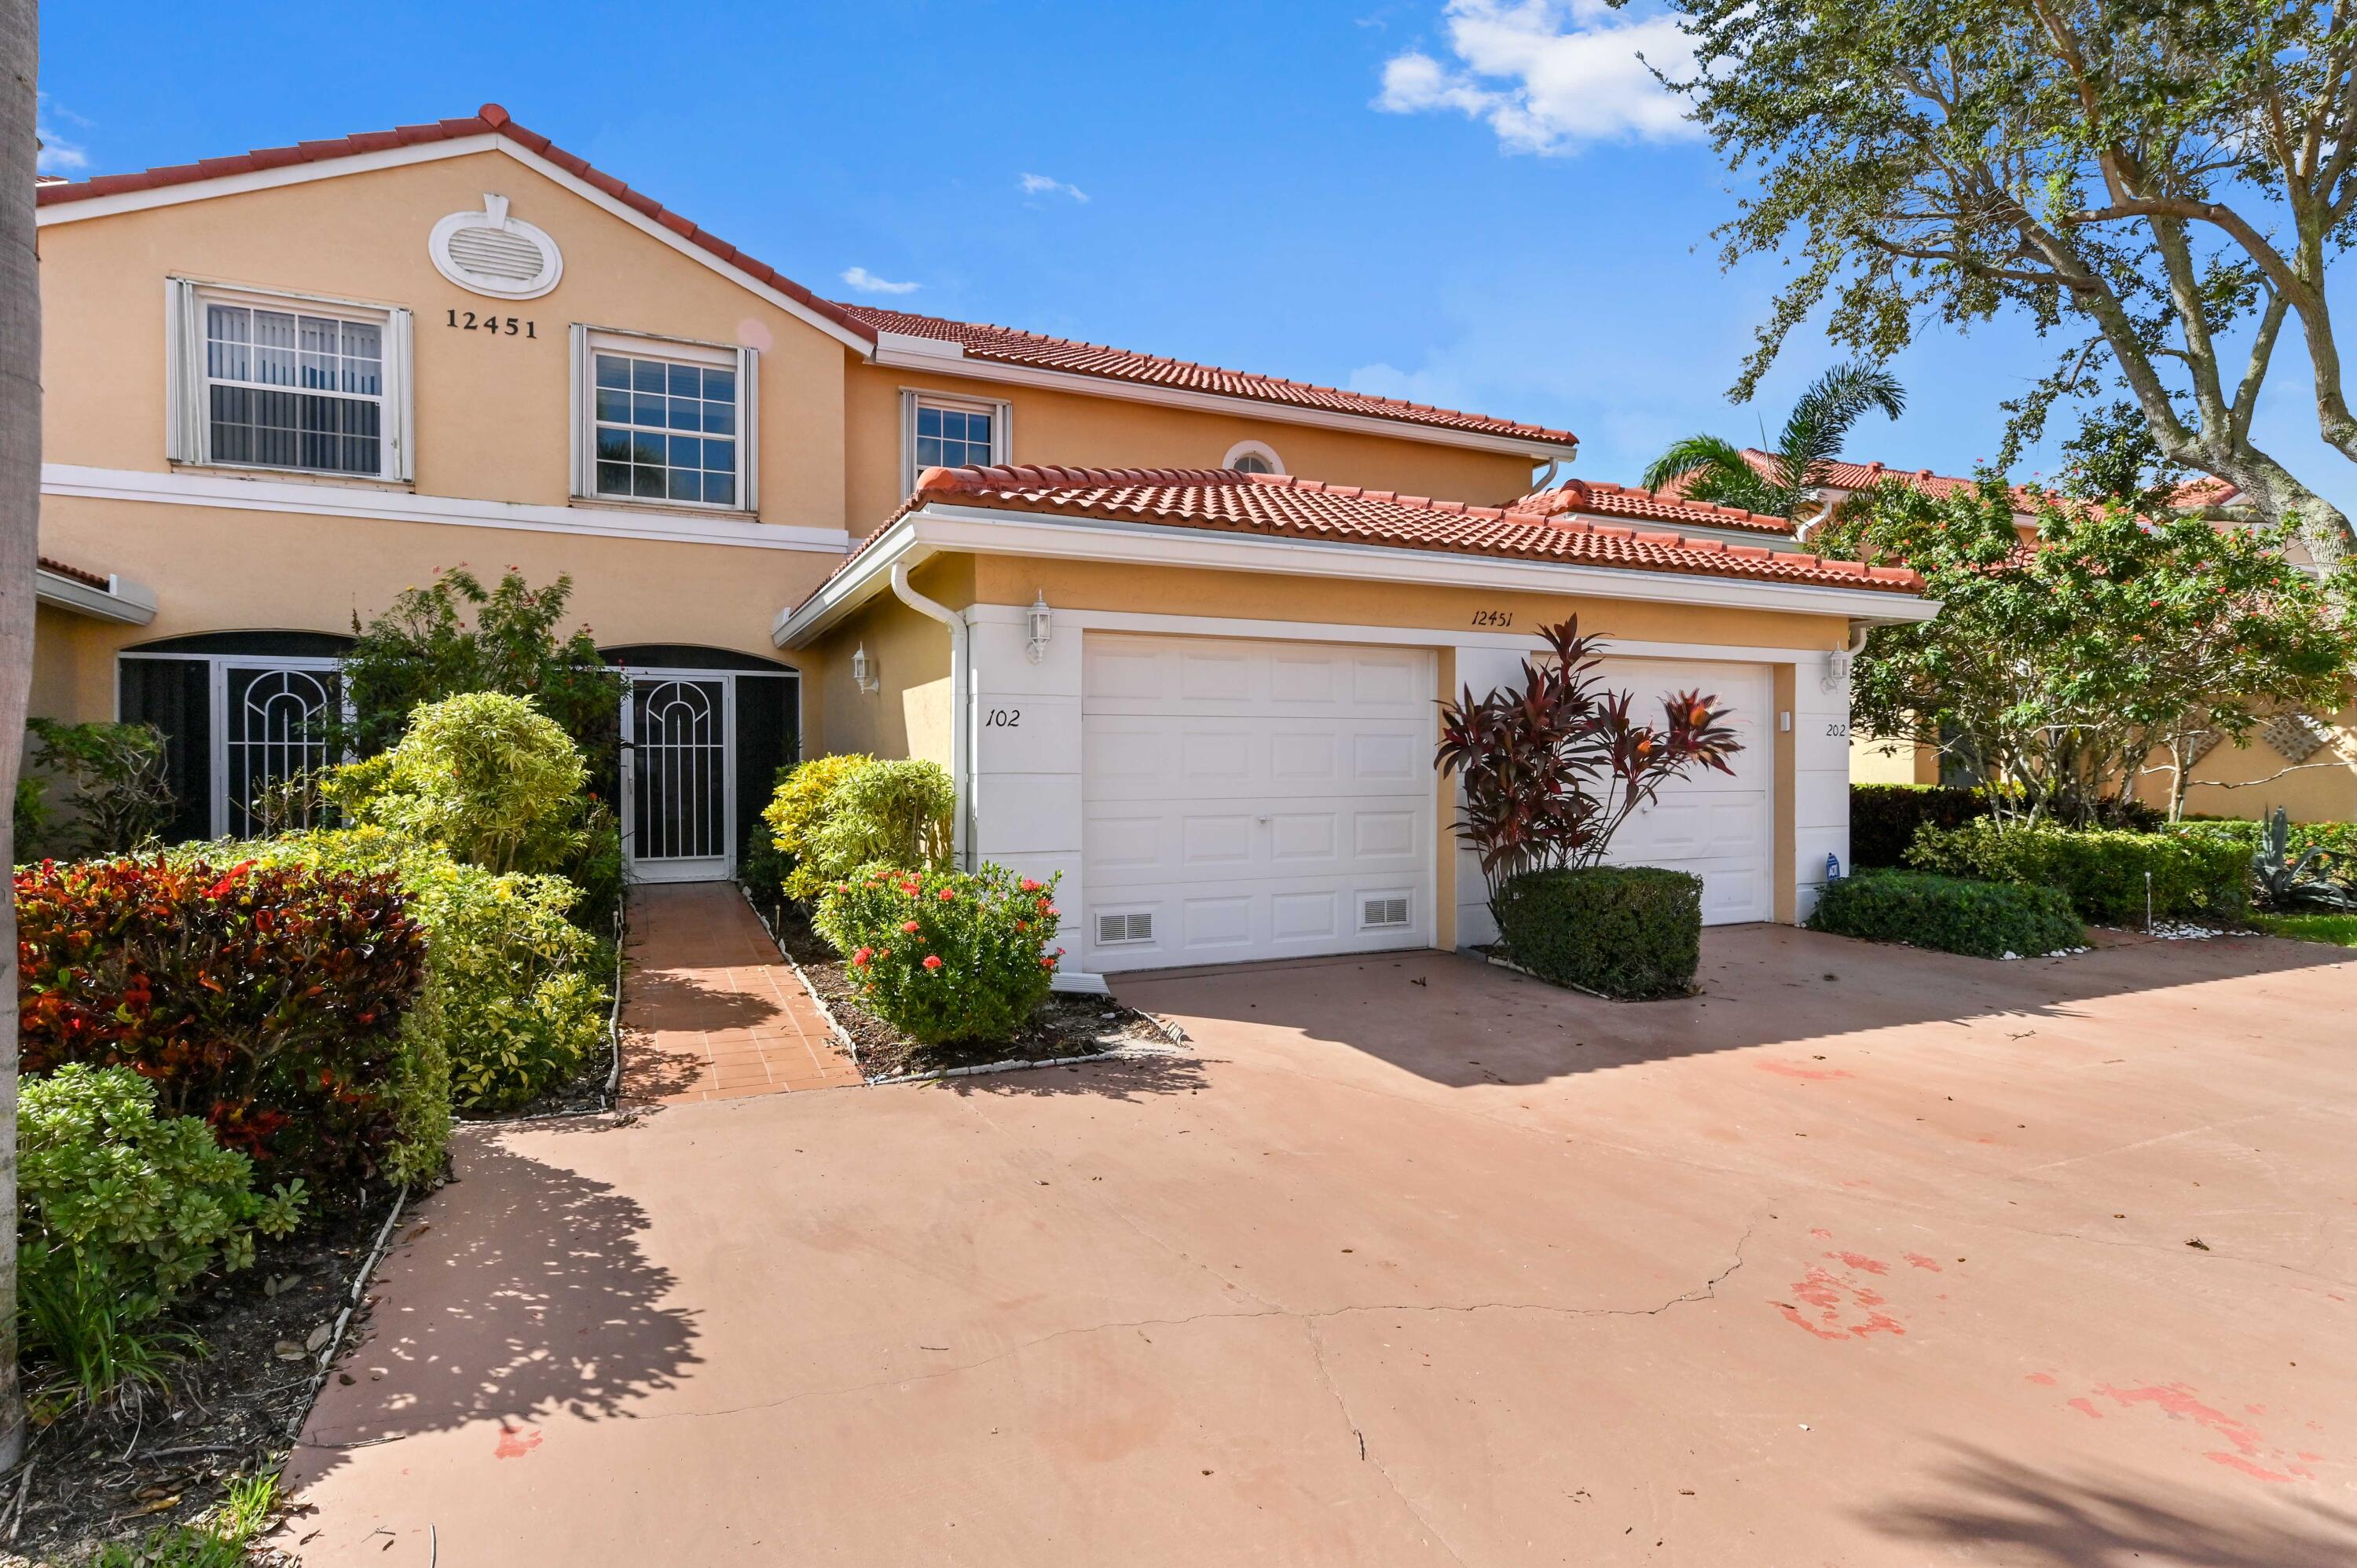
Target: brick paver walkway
<point x="710" y="1010"/>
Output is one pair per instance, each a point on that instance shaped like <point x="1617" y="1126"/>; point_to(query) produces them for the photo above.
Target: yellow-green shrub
<point x="485" y="776"/>
<point x="796" y="813"/>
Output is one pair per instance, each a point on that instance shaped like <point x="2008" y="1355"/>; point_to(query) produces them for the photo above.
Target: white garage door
<point x="1253" y="799"/>
<point x="1708" y="823"/>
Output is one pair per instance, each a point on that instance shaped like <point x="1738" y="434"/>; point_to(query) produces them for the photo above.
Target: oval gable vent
<point x="490" y="252"/>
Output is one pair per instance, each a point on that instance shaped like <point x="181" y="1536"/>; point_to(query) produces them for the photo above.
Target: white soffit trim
<point x="429" y="152"/>
<point x="985" y="531"/>
<point x="394" y="505"/>
<point x="1217" y="403"/>
<point x="120" y="601"/>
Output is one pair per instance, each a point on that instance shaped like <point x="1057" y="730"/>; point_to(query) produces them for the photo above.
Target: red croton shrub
<point x="267" y="1001"/>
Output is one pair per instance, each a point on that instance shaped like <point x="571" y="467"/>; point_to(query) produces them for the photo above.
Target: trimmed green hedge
<point x="1625" y="931"/>
<point x="1920" y="909"/>
<point x="1883" y="818"/>
<point x="2102" y="871"/>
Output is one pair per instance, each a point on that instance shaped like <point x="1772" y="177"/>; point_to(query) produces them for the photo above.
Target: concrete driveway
<point x="1866" y="1256"/>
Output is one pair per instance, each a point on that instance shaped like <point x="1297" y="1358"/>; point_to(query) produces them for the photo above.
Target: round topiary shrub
<point x="1630" y="932"/>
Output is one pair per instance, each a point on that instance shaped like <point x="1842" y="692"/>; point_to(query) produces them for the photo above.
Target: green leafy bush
<point x="1883" y="818"/>
<point x="488" y="777"/>
<point x="120" y="1210"/>
<point x="117" y="797"/>
<point x="836" y="815"/>
<point x="268" y="999"/>
<point x="1922" y="908"/>
<point x="1626" y="932"/>
<point x="2338" y="840"/>
<point x="764" y="866"/>
<point x="2102" y="871"/>
<point x="945" y="956"/>
<point x="794" y="813"/>
<point x="514" y="999"/>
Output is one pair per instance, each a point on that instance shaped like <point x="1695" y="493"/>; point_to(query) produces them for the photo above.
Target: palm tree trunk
<point x="20" y="504"/>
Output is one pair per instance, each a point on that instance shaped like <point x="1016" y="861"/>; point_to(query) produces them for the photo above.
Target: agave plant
<point x="1553" y="766"/>
<point x="2286" y="880"/>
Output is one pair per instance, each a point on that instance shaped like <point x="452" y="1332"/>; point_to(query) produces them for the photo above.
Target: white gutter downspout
<point x="960" y="705"/>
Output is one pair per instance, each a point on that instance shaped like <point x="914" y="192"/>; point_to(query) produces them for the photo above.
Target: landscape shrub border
<point x="946" y="957"/>
<point x="1949" y="914"/>
<point x="2101" y="870"/>
<point x="1883" y="818"/>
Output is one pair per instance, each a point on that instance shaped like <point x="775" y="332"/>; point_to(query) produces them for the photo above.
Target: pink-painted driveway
<point x="1864" y="1257"/>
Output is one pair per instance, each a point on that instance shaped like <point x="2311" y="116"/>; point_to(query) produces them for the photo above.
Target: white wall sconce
<point x="863" y="674"/>
<point x="1043" y="623"/>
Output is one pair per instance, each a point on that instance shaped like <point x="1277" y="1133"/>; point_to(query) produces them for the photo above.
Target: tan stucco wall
<point x="1089" y="585"/>
<point x="909" y="656"/>
<point x="1062" y="427"/>
<point x="1873" y="761"/>
<point x="231" y="571"/>
<point x="494" y="412"/>
<point x="2323" y="790"/>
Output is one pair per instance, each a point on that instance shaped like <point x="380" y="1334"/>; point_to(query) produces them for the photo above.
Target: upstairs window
<point x="270" y="382"/>
<point x="666" y="423"/>
<point x="950" y="432"/>
<point x="1253" y="458"/>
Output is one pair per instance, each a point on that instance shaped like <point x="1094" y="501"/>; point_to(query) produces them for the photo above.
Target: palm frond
<point x="1823" y="415"/>
<point x="1706" y="455"/>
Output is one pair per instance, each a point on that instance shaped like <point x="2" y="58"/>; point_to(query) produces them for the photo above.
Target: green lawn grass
<point x="2338" y="929"/>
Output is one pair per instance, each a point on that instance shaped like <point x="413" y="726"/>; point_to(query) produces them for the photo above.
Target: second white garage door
<point x="1253" y="799"/>
<point x="1708" y="823"/>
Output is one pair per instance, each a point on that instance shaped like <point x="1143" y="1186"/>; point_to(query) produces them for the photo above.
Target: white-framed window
<point x="937" y="431"/>
<point x="1253" y="458"/>
<point x="664" y="421"/>
<point x="297" y="383"/>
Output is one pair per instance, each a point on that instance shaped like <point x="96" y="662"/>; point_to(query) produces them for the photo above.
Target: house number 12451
<point x="1004" y="718"/>
<point x="498" y="326"/>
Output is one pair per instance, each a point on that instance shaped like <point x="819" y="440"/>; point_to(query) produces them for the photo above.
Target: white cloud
<point x="1041" y="184"/>
<point x="1547" y="75"/>
<point x="867" y="282"/>
<point x="57" y="155"/>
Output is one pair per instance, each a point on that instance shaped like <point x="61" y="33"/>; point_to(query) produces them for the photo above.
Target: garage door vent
<point x="1136" y="926"/>
<point x="1383" y="912"/>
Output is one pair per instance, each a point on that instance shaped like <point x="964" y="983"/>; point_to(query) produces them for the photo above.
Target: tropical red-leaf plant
<point x="1552" y="765"/>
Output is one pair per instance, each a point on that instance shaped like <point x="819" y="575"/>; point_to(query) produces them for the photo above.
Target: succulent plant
<point x="2286" y="880"/>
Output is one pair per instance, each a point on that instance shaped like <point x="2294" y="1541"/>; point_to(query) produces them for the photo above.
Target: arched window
<point x="1253" y="458"/>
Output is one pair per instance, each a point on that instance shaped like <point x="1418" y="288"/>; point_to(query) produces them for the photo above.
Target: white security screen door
<point x="273" y="729"/>
<point x="680" y="815"/>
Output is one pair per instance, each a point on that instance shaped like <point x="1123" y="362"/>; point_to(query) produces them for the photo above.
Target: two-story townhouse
<point x="1177" y="630"/>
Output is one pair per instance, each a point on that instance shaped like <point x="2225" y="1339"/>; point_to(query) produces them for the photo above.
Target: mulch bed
<point x="1065" y="1025"/>
<point x="157" y="1458"/>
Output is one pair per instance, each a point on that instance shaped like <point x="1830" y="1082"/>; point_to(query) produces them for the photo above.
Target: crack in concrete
<point x="1706" y="1291"/>
<point x="1334" y="1391"/>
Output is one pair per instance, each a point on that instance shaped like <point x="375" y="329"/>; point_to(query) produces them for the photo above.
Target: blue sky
<point x="1488" y="207"/>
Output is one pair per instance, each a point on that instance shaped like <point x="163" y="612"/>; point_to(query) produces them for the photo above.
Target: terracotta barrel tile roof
<point x="1010" y="345"/>
<point x="999" y="345"/>
<point x="1284" y="506"/>
<point x="1598" y="498"/>
<point x="98" y="580"/>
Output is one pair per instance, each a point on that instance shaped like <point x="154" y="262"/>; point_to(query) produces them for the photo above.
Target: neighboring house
<point x="287" y="385"/>
<point x="2306" y="763"/>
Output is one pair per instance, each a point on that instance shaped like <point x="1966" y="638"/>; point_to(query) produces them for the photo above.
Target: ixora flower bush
<point x="121" y="1208"/>
<point x="945" y="957"/>
<point x="1550" y="768"/>
<point x="270" y="1001"/>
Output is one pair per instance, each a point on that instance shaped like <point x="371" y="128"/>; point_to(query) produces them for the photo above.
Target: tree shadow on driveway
<point x="1457" y="1021"/>
<point x="1985" y="1500"/>
<point x="524" y="1294"/>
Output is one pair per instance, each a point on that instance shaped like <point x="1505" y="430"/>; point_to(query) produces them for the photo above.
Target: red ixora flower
<point x="909" y="927"/>
<point x="1031" y="884"/>
<point x="1047" y="964"/>
<point x="860" y="959"/>
<point x="947" y="895"/>
<point x="932" y="960"/>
